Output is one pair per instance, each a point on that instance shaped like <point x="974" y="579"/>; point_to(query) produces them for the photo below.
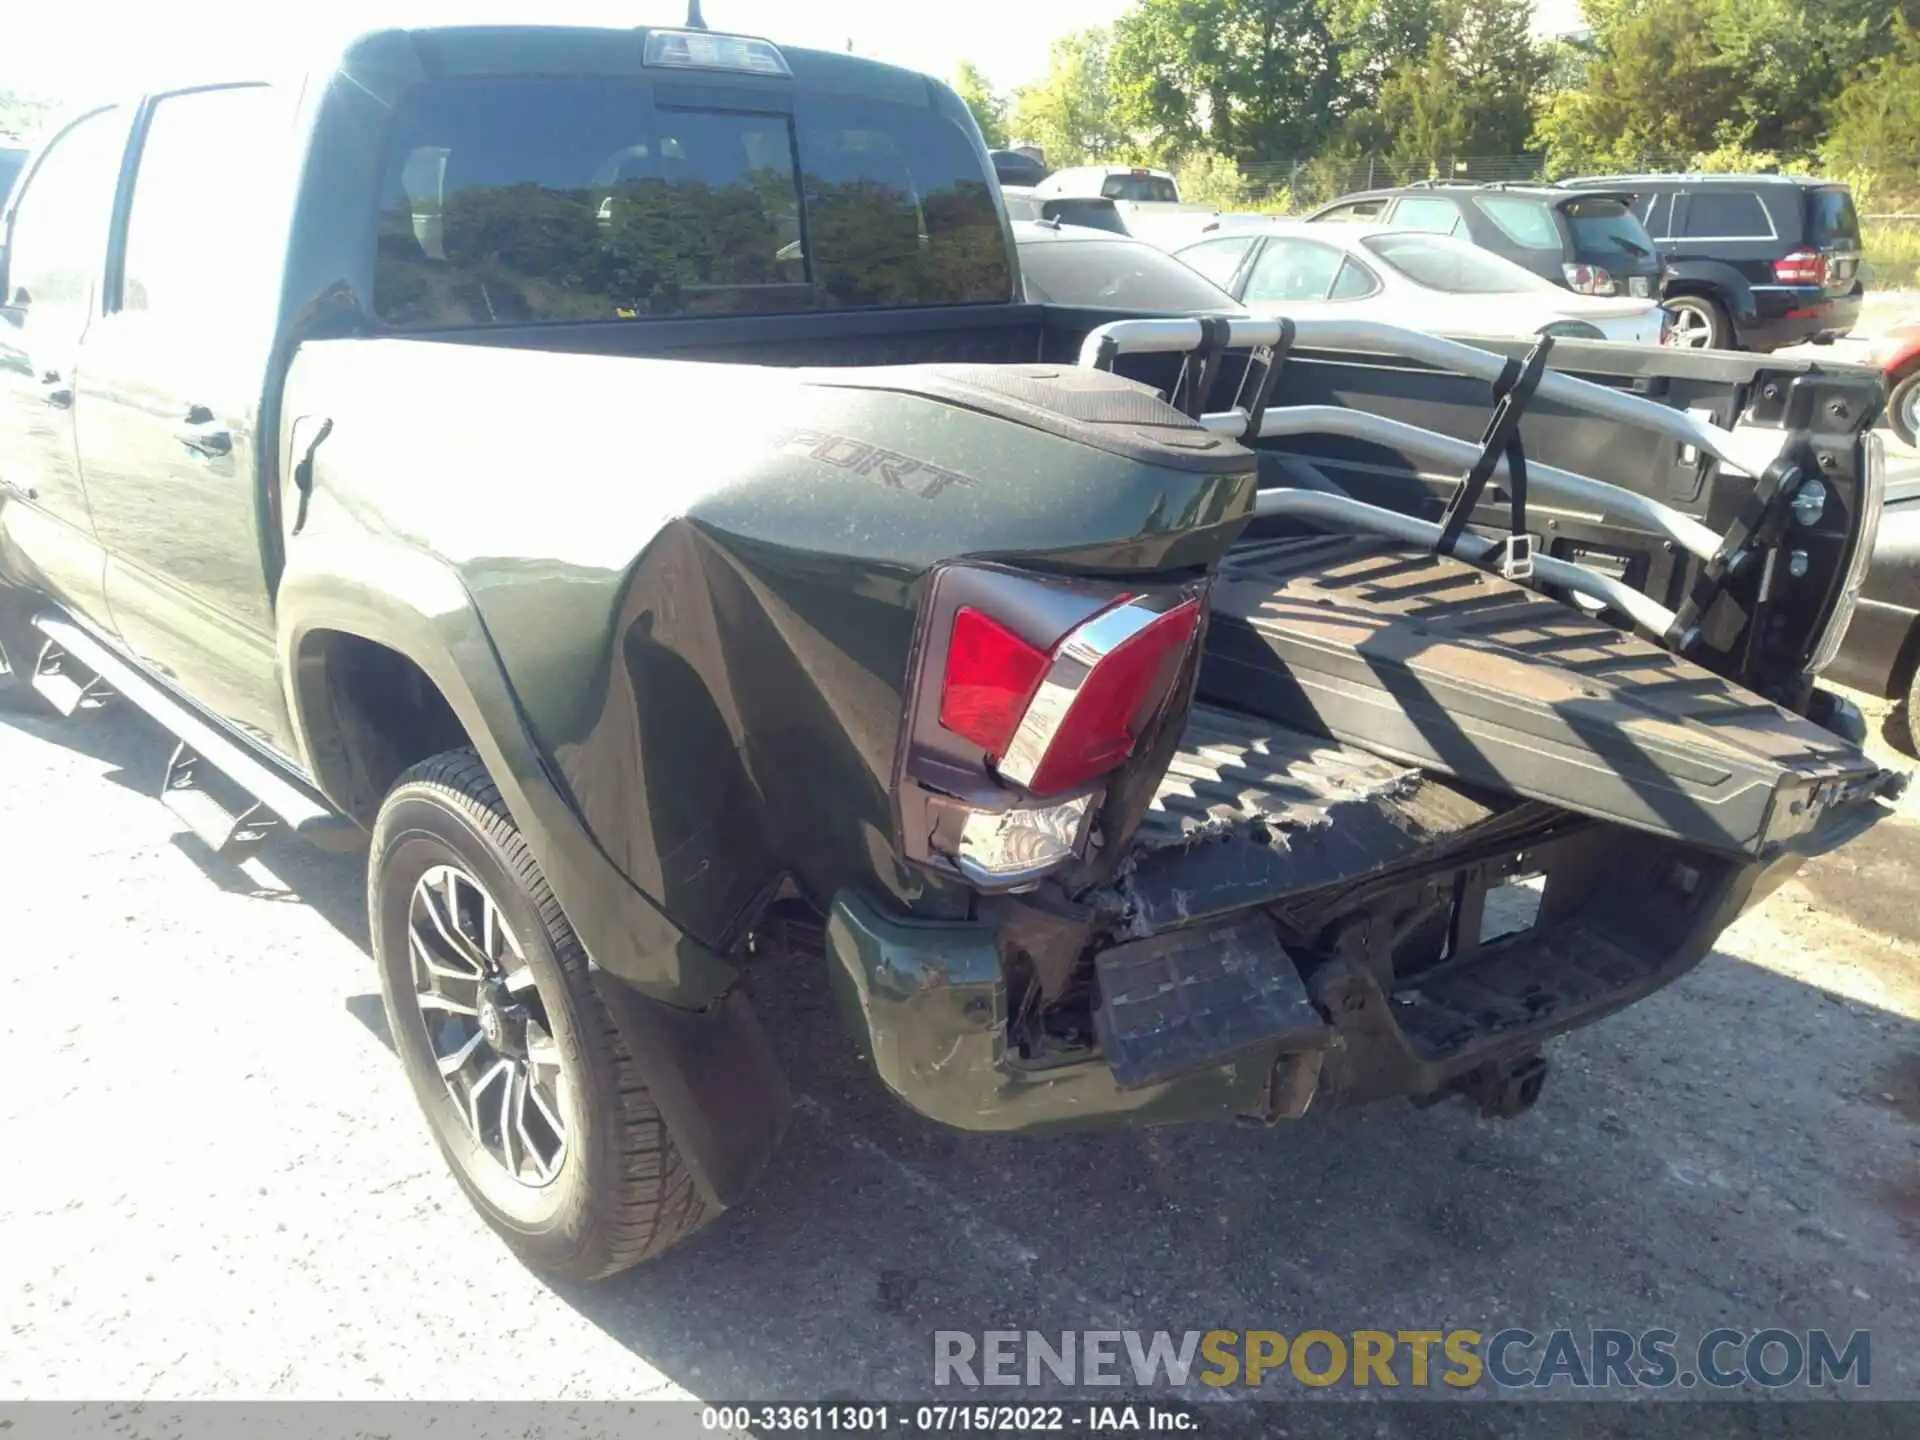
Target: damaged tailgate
<point x="1437" y="664"/>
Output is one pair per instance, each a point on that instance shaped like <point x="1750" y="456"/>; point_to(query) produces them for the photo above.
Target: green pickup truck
<point x="612" y="478"/>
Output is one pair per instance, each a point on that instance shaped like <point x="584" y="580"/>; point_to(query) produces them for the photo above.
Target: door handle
<point x="205" y="435"/>
<point x="57" y="393"/>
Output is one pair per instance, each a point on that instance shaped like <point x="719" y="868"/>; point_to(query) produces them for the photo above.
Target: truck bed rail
<point x="1758" y="454"/>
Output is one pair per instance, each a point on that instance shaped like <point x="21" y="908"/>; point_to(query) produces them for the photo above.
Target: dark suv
<point x="1011" y="167"/>
<point x="1590" y="243"/>
<point x="1754" y="262"/>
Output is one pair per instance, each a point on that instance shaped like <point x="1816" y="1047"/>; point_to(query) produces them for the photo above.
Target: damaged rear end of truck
<point x="1374" y="804"/>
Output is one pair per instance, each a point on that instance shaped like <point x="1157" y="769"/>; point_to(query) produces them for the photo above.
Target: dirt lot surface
<point x="217" y="1184"/>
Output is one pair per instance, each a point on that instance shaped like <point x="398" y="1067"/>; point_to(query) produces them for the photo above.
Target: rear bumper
<point x="1784" y="315"/>
<point x="927" y="1002"/>
<point x="1642" y="329"/>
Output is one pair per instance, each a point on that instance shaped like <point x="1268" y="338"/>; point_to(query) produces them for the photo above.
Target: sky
<point x="79" y="50"/>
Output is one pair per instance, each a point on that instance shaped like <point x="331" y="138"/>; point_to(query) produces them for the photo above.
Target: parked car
<point x="1089" y="212"/>
<point x="1148" y="201"/>
<point x="1590" y="243"/>
<point x="1011" y="167"/>
<point x="1896" y="354"/>
<point x="1115" y="182"/>
<point x="1754" y="262"/>
<point x="1070" y="265"/>
<point x="757" y="579"/>
<point x="1881" y="652"/>
<point x="1407" y="277"/>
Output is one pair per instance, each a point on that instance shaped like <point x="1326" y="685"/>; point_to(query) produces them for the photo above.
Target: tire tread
<point x="656" y="1204"/>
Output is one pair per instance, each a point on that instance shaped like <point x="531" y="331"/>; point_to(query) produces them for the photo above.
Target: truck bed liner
<point x="1250" y="812"/>
<point x="1426" y="660"/>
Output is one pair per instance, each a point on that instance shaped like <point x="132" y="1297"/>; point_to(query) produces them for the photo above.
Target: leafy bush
<point x="1892" y="254"/>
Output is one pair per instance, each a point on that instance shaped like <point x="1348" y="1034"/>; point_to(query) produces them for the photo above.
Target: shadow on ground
<point x="1738" y="1150"/>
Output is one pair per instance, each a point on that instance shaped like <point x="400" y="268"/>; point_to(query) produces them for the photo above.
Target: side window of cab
<point x="56" y="232"/>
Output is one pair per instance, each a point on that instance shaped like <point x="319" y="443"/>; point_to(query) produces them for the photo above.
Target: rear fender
<point x="1715" y="281"/>
<point x="1898" y="356"/>
<point x="415" y="605"/>
<point x="697" y="1042"/>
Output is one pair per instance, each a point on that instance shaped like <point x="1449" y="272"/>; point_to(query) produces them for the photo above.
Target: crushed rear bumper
<point x="1261" y="956"/>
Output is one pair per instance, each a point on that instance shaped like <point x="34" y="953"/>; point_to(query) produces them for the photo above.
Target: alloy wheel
<point x="1691" y="330"/>
<point x="486" y="1025"/>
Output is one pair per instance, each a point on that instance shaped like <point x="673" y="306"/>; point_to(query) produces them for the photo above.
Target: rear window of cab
<point x="512" y="200"/>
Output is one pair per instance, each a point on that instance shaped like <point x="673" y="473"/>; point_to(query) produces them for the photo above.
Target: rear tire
<point x="1911" y="731"/>
<point x="1698" y="324"/>
<point x="1903" y="408"/>
<point x="563" y="1153"/>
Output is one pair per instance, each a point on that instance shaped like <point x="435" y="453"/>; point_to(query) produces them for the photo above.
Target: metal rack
<point x="1253" y="416"/>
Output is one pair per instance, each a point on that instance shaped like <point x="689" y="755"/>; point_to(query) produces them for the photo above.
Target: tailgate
<point x="1438" y="664"/>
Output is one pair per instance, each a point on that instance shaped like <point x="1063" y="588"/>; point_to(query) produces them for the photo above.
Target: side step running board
<point x="86" y="670"/>
<point x="68" y="687"/>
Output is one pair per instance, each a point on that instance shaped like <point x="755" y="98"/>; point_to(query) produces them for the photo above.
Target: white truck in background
<point x="1147" y="201"/>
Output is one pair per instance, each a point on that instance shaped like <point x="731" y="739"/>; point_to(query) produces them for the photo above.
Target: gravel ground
<point x="217" y="1184"/>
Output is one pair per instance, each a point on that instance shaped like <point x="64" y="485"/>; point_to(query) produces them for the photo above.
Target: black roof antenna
<point x="695" y="20"/>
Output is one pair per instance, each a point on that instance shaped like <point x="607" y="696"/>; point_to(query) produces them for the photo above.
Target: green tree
<point x="989" y="107"/>
<point x="1378" y="37"/>
<point x="1070" y="112"/>
<point x="1657" y="84"/>
<point x="1673" y="78"/>
<point x="1877" y="116"/>
<point x="1470" y="93"/>
<point x="22" y="114"/>
<point x="1251" y="79"/>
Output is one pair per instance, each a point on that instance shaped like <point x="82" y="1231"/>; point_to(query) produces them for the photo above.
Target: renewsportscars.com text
<point x="1593" y="1360"/>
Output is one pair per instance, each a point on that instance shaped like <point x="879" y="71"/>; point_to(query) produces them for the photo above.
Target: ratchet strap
<point x="1512" y="392"/>
<point x="1201" y="368"/>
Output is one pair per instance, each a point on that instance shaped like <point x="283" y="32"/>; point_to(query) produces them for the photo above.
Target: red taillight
<point x="1588" y="279"/>
<point x="1106" y="679"/>
<point x="1802" y="267"/>
<point x="991" y="675"/>
<point x="1117" y="697"/>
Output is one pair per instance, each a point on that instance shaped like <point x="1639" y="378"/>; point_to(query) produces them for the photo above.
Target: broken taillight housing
<point x="1106" y="679"/>
<point x="1027" y="693"/>
<point x="991" y="675"/>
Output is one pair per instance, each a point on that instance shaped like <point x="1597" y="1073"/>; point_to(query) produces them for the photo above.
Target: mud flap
<point x="713" y="1074"/>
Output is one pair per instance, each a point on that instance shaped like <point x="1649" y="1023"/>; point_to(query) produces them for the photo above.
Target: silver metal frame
<point x="1747" y="453"/>
<point x="1595" y="495"/>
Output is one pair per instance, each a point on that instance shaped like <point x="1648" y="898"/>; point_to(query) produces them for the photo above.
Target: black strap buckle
<point x="1516" y="557"/>
<point x="1258" y="379"/>
<point x="1512" y="392"/>
<point x="1201" y="368"/>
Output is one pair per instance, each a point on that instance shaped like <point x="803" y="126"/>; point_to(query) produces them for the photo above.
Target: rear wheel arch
<point x="1721" y="284"/>
<point x="369" y="712"/>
